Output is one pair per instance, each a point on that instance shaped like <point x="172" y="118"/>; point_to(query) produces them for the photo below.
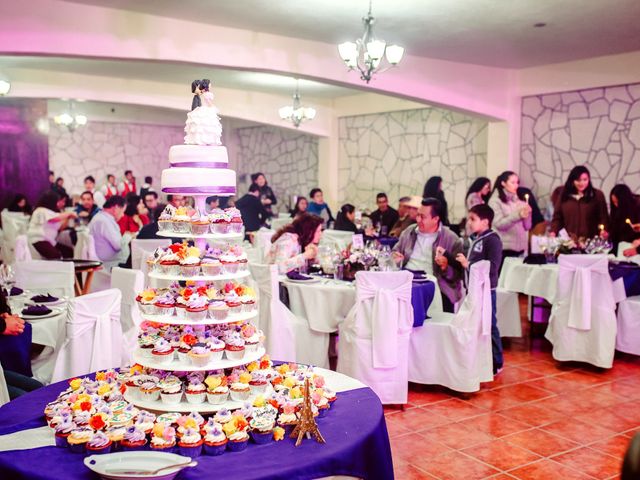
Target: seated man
<point x="431" y="247"/>
<point x="112" y="247"/>
<point x="407" y="211"/>
<point x="86" y="209"/>
<point x="385" y="217"/>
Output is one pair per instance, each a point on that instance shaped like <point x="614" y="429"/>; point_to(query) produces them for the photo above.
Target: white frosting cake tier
<point x="190" y="181"/>
<point x="207" y="156"/>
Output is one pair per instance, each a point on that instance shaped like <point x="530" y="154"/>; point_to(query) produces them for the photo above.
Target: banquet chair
<point x="46" y="276"/>
<point x="628" y="319"/>
<point x="85" y="248"/>
<point x="454" y="350"/>
<point x="508" y="313"/>
<point x="262" y="242"/>
<point x="374" y="337"/>
<point x="143" y="248"/>
<point x="13" y="225"/>
<point x="436" y="303"/>
<point x="4" y="391"/>
<point x="129" y="282"/>
<point x="21" y="250"/>
<point x="274" y="318"/>
<point x="336" y="238"/>
<point x="582" y="326"/>
<point x="93" y="337"/>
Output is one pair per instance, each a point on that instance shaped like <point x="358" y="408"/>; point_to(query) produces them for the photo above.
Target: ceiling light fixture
<point x="5" y="86"/>
<point x="366" y="53"/>
<point x="296" y="113"/>
<point x="70" y="120"/>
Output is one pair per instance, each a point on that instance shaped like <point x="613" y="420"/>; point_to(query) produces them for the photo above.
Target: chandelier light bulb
<point x="296" y="113"/>
<point x="63" y="119"/>
<point x="394" y="54"/>
<point x="348" y="51"/>
<point x="375" y="49"/>
<point x="81" y="119"/>
<point x="4" y="87"/>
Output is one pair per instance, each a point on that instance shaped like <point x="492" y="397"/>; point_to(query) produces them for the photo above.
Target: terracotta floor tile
<point x="396" y="428"/>
<point x="581" y="402"/>
<point x="501" y="454"/>
<point x="411" y="472"/>
<point x="455" y="409"/>
<point x="501" y="476"/>
<point x="532" y="414"/>
<point x="495" y="424"/>
<point x="418" y="419"/>
<point x="409" y="448"/>
<point x="628" y="410"/>
<point x="523" y="392"/>
<point x="457" y="435"/>
<point x="456" y="466"/>
<point x="493" y="400"/>
<point x="614" y="446"/>
<point x="511" y="375"/>
<point x="582" y="377"/>
<point x="541" y="442"/>
<point x="620" y="388"/>
<point x="591" y="462"/>
<point x="545" y="367"/>
<point x="555" y="384"/>
<point x="547" y="470"/>
<point x="580" y="432"/>
<point x="419" y="398"/>
<point x="608" y="418"/>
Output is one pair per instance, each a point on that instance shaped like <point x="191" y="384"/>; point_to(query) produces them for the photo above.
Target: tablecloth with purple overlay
<point x="355" y="431"/>
<point x="15" y="351"/>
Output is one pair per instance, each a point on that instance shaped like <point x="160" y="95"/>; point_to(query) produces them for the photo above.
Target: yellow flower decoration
<point x="259" y="401"/>
<point x="104" y="389"/>
<point x="252" y="366"/>
<point x="229" y="428"/>
<point x="245" y="377"/>
<point x="137" y="368"/>
<point x="213" y="382"/>
<point x="289" y="382"/>
<point x="193" y="252"/>
<point x="158" y="429"/>
<point x="278" y="434"/>
<point x="83" y="397"/>
<point x="190" y="423"/>
<point x="282" y="369"/>
<point x="100" y="376"/>
<point x="148" y="295"/>
<point x="75" y="383"/>
<point x="295" y="392"/>
<point x="211" y="292"/>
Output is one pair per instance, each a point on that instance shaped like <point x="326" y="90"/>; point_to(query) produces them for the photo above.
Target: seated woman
<point x="346" y="218"/>
<point x="300" y="207"/>
<point x="295" y="243"/>
<point x="17" y="384"/>
<point x="20" y="204"/>
<point x="45" y="224"/>
<point x="136" y="215"/>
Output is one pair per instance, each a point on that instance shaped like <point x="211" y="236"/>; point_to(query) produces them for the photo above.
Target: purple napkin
<point x="36" y="310"/>
<point x="48" y="298"/>
<point x="293" y="275"/>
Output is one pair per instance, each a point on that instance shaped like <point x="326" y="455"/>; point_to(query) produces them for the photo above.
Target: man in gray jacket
<point x="432" y="247"/>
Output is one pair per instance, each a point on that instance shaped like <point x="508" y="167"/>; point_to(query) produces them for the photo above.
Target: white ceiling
<point x="486" y="32"/>
<point x="178" y="73"/>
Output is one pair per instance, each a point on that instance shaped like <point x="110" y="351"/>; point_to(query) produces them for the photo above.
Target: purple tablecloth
<point x="421" y="298"/>
<point x="630" y="274"/>
<point x="355" y="431"/>
<point x="15" y="351"/>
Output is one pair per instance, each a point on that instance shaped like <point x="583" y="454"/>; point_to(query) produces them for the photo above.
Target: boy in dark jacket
<point x="486" y="245"/>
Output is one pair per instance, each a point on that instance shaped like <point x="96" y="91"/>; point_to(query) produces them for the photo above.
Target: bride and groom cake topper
<point x="198" y="87"/>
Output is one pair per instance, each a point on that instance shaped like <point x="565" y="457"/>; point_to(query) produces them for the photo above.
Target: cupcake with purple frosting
<point x="134" y="439"/>
<point x="99" y="443"/>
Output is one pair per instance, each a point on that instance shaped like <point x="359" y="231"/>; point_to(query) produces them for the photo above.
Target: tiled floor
<point x="539" y="419"/>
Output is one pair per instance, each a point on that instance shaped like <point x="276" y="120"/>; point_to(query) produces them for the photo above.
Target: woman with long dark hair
<point x="582" y="209"/>
<point x="478" y="193"/>
<point x="296" y="243"/>
<point x="45" y="224"/>
<point x="20" y="204"/>
<point x="300" y="207"/>
<point x="345" y="219"/>
<point x="625" y="212"/>
<point x="512" y="216"/>
<point x="267" y="197"/>
<point x="136" y="215"/>
<point x="433" y="189"/>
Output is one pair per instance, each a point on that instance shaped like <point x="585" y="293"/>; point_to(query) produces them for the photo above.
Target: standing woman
<point x="512" y="216"/>
<point x="581" y="209"/>
<point x="296" y="243"/>
<point x="433" y="189"/>
<point x="267" y="197"/>
<point x="478" y="192"/>
<point x="45" y="224"/>
<point x="624" y="205"/>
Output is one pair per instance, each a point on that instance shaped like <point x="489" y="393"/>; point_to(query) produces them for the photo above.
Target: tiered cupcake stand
<point x="186" y="366"/>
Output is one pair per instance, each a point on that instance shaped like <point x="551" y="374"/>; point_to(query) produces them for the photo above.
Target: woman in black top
<point x="624" y="205"/>
<point x="301" y="206"/>
<point x="20" y="204"/>
<point x="267" y="197"/>
<point x="433" y="189"/>
<point x="345" y="219"/>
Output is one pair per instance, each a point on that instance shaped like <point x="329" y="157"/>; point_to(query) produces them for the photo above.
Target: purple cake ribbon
<point x="203" y="190"/>
<point x="200" y="165"/>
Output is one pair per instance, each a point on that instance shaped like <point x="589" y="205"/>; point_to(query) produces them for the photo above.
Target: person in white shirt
<point x="90" y="186"/>
<point x="110" y="189"/>
<point x="112" y="247"/>
<point x="45" y="224"/>
<point x="128" y="184"/>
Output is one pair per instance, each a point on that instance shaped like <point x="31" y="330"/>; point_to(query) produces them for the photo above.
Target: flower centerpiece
<point x="357" y="260"/>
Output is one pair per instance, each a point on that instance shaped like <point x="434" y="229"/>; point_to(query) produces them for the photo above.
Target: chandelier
<point x="70" y="120"/>
<point x="5" y="86"/>
<point x="366" y="53"/>
<point x="296" y="113"/>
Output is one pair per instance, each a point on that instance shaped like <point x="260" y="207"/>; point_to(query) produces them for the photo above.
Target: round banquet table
<point x="354" y="429"/>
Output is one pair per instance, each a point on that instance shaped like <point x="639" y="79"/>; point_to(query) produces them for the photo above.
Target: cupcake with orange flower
<point x="217" y="389"/>
<point x="146" y="302"/>
<point x="190" y="262"/>
<point x="236" y="432"/>
<point x="199" y="224"/>
<point x="182" y="220"/>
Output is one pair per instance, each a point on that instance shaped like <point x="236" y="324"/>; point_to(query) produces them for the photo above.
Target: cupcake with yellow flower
<point x="199" y="224"/>
<point x="146" y="302"/>
<point x="190" y="263"/>
<point x="217" y="389"/>
<point x="237" y="434"/>
<point x="182" y="220"/>
<point x="163" y="438"/>
<point x="239" y="388"/>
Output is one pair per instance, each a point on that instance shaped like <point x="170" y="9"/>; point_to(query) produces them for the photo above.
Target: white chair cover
<point x="280" y="221"/>
<point x="628" y="337"/>
<point x="12" y="226"/>
<point x="582" y="326"/>
<point x="93" y="336"/>
<point x="508" y="313"/>
<point x="4" y="391"/>
<point x="262" y="242"/>
<point x="46" y="276"/>
<point x="454" y="350"/>
<point x="85" y="248"/>
<point x="374" y="338"/>
<point x="275" y="319"/>
<point x="622" y="246"/>
<point x="141" y="249"/>
<point x="336" y="238"/>
<point x="436" y="304"/>
<point x="22" y="253"/>
<point x="129" y="282"/>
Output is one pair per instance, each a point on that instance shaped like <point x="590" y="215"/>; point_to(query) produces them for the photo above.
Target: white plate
<point x="180" y="366"/>
<point x="311" y="280"/>
<point x="200" y="278"/>
<point x="54" y="311"/>
<point x="174" y="320"/>
<point x="142" y="460"/>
